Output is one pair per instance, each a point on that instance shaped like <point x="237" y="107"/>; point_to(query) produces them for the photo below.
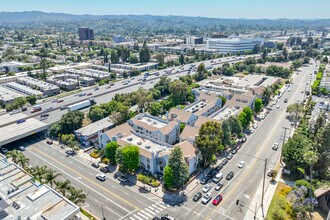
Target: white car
<point x="254" y="126"/>
<point x="206" y="188"/>
<point x="275" y="146"/>
<point x="241" y="164"/>
<point x="206" y="198"/>
<point x="100" y="177"/>
<point x="278" y="106"/>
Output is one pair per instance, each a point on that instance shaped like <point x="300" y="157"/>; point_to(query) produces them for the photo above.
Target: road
<point x="257" y="148"/>
<point x="105" y="94"/>
<point x="110" y="199"/>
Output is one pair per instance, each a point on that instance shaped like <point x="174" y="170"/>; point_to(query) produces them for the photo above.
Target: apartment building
<point x="46" y="88"/>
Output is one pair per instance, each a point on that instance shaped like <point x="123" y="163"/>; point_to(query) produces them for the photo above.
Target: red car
<point x="49" y="142"/>
<point x="88" y="94"/>
<point x="60" y="100"/>
<point x="217" y="200"/>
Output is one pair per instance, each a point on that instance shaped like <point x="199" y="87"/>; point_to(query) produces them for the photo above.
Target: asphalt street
<point x="257" y="148"/>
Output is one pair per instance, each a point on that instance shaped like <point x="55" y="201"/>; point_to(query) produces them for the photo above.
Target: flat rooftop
<point x="24" y="89"/>
<point x="16" y="131"/>
<point x="152" y="122"/>
<point x="41" y="84"/>
<point x="95" y="127"/>
<point x="195" y="106"/>
<point x="226" y="113"/>
<point x="7" y="94"/>
<point x="22" y="197"/>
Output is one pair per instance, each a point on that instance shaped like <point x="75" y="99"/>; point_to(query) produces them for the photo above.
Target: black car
<point x="230" y="175"/>
<point x="24" y="109"/>
<point x="224" y="161"/>
<point x="212" y="173"/>
<point x="166" y="217"/>
<point x="205" y="180"/>
<point x="197" y="196"/>
<point x="63" y="107"/>
<point x="104" y="170"/>
<point x="219" y="167"/>
<point x="96" y="165"/>
<point x="234" y="151"/>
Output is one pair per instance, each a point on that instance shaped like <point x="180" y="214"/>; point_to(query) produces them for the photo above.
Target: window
<point x="161" y="168"/>
<point x="148" y="167"/>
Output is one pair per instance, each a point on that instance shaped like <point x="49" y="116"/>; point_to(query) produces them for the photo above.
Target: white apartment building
<point x="233" y="45"/>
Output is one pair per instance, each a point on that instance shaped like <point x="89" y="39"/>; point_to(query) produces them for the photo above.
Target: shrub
<point x="94" y="154"/>
<point x="155" y="183"/>
<point x="105" y="161"/>
<point x="151" y="181"/>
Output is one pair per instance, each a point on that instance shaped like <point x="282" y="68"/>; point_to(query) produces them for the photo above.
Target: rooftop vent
<point x="147" y="147"/>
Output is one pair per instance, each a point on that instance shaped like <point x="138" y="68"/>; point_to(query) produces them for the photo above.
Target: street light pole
<point x="285" y="129"/>
<point x="263" y="189"/>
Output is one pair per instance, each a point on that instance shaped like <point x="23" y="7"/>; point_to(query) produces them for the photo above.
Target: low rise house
<point x="185" y="117"/>
<point x="189" y="133"/>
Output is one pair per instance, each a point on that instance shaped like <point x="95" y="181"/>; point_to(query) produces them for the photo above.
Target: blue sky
<point x="206" y="8"/>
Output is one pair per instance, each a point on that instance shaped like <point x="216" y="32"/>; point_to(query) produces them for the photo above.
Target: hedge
<point x="148" y="180"/>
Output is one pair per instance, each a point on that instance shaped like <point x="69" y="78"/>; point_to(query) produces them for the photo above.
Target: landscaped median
<point x="151" y="181"/>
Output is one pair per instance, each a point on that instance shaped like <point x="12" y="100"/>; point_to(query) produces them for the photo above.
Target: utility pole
<point x="285" y="129"/>
<point x="297" y="109"/>
<point x="255" y="211"/>
<point x="263" y="189"/>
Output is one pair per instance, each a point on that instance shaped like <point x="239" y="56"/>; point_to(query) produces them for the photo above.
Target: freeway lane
<point x="117" y="200"/>
<point x="254" y="151"/>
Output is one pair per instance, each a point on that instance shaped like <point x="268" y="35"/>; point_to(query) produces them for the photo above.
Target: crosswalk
<point x="149" y="212"/>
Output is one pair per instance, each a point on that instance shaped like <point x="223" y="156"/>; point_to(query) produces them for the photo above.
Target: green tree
<point x="160" y="57"/>
<point x="264" y="54"/>
<point x="31" y="99"/>
<point x="77" y="196"/>
<point x="50" y="177"/>
<point x="129" y="161"/>
<point x="63" y="187"/>
<point x="226" y="133"/>
<point x="235" y="127"/>
<point x="246" y="117"/>
<point x="22" y="161"/>
<point x="258" y="105"/>
<point x="179" y="167"/>
<point x="71" y="121"/>
<point x="209" y="140"/>
<point x="110" y="151"/>
<point x="179" y="90"/>
<point x="96" y="113"/>
<point x="144" y="54"/>
<point x="168" y="177"/>
<point x="181" y="59"/>
<point x="267" y="94"/>
<point x="133" y="59"/>
<point x="285" y="53"/>
<point x="144" y="99"/>
<point x="114" y="56"/>
<point x="13" y="155"/>
<point x="296" y="64"/>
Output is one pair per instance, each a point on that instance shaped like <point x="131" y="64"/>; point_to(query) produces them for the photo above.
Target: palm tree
<point x="77" y="195"/>
<point x="63" y="187"/>
<point x="22" y="160"/>
<point x="50" y="176"/>
<point x="13" y="155"/>
<point x="38" y="172"/>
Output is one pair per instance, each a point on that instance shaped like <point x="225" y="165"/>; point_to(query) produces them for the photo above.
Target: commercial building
<point x="22" y="197"/>
<point x="187" y="49"/>
<point x="89" y="134"/>
<point x="118" y="39"/>
<point x="46" y="88"/>
<point x="219" y="35"/>
<point x="86" y="34"/>
<point x="193" y="40"/>
<point x="7" y="96"/>
<point x="91" y="73"/>
<point x="13" y="66"/>
<point x="70" y="81"/>
<point x="63" y="68"/>
<point x="138" y="66"/>
<point x="233" y="45"/>
<point x="24" y="89"/>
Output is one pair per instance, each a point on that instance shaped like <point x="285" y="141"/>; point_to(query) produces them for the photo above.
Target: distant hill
<point x="162" y="24"/>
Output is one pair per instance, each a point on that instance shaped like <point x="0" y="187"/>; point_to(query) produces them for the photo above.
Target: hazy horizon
<point x="244" y="9"/>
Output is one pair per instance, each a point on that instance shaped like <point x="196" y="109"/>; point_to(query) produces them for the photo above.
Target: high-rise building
<point x="192" y="40"/>
<point x="86" y="34"/>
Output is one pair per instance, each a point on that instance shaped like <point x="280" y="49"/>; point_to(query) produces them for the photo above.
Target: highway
<point x="257" y="148"/>
<point x="105" y="94"/>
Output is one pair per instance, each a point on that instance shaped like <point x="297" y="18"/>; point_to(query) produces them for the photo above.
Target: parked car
<point x="49" y="142"/>
<point x="275" y="146"/>
<point x="122" y="178"/>
<point x="205" y="180"/>
<point x="197" y="196"/>
<point x="217" y="200"/>
<point x="255" y="126"/>
<point x="230" y="175"/>
<point x="224" y="161"/>
<point x="219" y="167"/>
<point x="285" y="100"/>
<point x="218" y="186"/>
<point x="63" y="107"/>
<point x="212" y="173"/>
<point x="69" y="152"/>
<point x="24" y="108"/>
<point x="217" y="178"/>
<point x="100" y="177"/>
<point x="104" y="170"/>
<point x="241" y="164"/>
<point x="207" y="188"/>
<point x="166" y="217"/>
<point x="96" y="165"/>
<point x="4" y="150"/>
<point x="207" y="197"/>
<point x="229" y="156"/>
<point x="21" y="148"/>
<point x="234" y="151"/>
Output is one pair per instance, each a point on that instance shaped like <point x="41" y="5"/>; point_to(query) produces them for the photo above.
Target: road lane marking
<point x="112" y="211"/>
<point x="103" y="188"/>
<point x="146" y="213"/>
<point x="161" y="205"/>
<point x="150" y="211"/>
<point x="139" y="213"/>
<point x="128" y="214"/>
<point x="137" y="217"/>
<point x="96" y="201"/>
